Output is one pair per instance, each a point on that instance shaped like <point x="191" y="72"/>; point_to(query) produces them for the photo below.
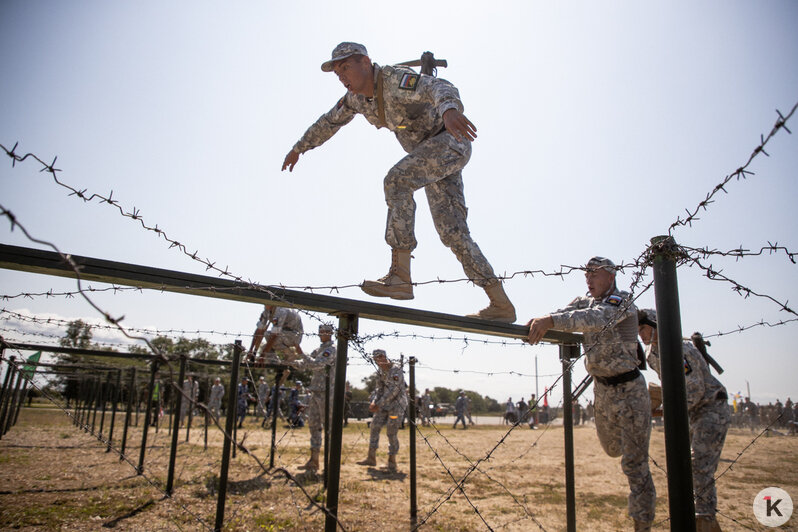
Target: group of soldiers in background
<point x="776" y="416"/>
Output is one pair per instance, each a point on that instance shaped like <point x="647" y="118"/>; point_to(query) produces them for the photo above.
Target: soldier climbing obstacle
<point x="426" y="115"/>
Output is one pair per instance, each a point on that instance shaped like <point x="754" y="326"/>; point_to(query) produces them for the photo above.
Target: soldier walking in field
<point x="215" y="399"/>
<point x="388" y="404"/>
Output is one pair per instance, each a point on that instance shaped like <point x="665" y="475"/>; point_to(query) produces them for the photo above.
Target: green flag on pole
<point x="30" y="368"/>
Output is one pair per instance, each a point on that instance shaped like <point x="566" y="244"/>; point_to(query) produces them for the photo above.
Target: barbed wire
<point x="716" y="275"/>
<point x="741" y="173"/>
<point x="741" y="252"/>
<point x="639" y="265"/>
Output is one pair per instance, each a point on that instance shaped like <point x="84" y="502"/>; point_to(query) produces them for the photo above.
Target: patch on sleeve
<point x="327" y="352"/>
<point x="396" y="377"/>
<point x="614" y="300"/>
<point x="687" y="368"/>
<point x="340" y="103"/>
<point x="409" y="81"/>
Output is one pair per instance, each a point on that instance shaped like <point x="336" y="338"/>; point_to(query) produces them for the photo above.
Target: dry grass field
<point x="54" y="476"/>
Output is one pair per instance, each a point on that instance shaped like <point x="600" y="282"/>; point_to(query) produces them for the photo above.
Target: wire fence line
<point x="640" y="266"/>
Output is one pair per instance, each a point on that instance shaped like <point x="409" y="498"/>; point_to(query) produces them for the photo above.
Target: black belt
<point x="618" y="379"/>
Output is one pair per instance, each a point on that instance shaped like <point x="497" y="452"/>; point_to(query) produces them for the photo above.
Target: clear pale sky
<point x="598" y="123"/>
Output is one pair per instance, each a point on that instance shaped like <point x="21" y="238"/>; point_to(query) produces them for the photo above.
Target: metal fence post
<point x="104" y="391"/>
<point x="230" y="422"/>
<point x="6" y="392"/>
<point x="115" y="400"/>
<point x="128" y="411"/>
<point x="13" y="402"/>
<point x="147" y="410"/>
<point x="568" y="352"/>
<point x="412" y="403"/>
<point x="674" y="397"/>
<point x="326" y="423"/>
<point x="347" y="328"/>
<point x="170" y="481"/>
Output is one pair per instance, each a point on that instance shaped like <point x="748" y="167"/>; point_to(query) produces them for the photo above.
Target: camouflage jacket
<point x="609" y="325"/>
<point x="390" y="394"/>
<point x="217" y="392"/>
<point x="701" y="387"/>
<point x="414" y="105"/>
<point x="321" y="358"/>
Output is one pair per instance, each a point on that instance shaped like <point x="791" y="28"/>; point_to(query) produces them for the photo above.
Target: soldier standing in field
<point x="388" y="404"/>
<point x="426" y="115"/>
<point x="322" y="358"/>
<point x="708" y="412"/>
<point x="215" y="400"/>
<point x="426" y="403"/>
<point x="608" y="319"/>
<point x="460" y="407"/>
<point x="263" y="395"/>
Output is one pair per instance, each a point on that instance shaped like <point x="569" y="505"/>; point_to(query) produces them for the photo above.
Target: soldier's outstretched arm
<point x="459" y="126"/>
<point x="291" y="160"/>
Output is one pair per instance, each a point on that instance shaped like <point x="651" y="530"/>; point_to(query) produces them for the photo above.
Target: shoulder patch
<point x="326" y="352"/>
<point x="409" y="81"/>
<point x="687" y="368"/>
<point x="614" y="300"/>
<point x="340" y="103"/>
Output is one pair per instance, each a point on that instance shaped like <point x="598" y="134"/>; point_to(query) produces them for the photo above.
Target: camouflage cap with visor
<point x="342" y="51"/>
<point x="601" y="262"/>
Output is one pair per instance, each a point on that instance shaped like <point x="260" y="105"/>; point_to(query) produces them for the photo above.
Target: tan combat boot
<point x="313" y="462"/>
<point x="500" y="308"/>
<point x="643" y="526"/>
<point x="392" y="463"/>
<point x="371" y="459"/>
<point x="706" y="523"/>
<point x="396" y="284"/>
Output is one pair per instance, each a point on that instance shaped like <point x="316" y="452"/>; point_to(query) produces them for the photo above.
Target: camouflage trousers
<point x="623" y="424"/>
<point x="214" y="407"/>
<point x="285" y="340"/>
<point x="708" y="427"/>
<point x="436" y="166"/>
<point x="316" y="418"/>
<point x="390" y="420"/>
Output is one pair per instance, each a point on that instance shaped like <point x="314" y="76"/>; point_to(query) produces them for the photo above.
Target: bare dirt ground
<point x="54" y="476"/>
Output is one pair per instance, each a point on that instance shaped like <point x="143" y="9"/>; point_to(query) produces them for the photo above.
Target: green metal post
<point x="674" y="397"/>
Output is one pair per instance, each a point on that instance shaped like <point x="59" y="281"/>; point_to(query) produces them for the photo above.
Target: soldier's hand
<point x="372" y="407"/>
<point x="459" y="126"/>
<point x="538" y="327"/>
<point x="290" y="160"/>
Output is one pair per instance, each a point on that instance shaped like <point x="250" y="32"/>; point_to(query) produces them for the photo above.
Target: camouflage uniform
<point x="709" y="416"/>
<point x="414" y="105"/>
<point x="215" y="400"/>
<point x="391" y="400"/>
<point x="460" y="409"/>
<point x="426" y="402"/>
<point x="263" y="395"/>
<point x="622" y="411"/>
<point x="185" y="401"/>
<point x="286" y="325"/>
<point x="320" y="359"/>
